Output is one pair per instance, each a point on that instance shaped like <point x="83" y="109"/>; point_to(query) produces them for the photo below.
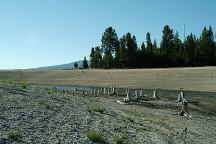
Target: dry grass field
<point x="191" y="79"/>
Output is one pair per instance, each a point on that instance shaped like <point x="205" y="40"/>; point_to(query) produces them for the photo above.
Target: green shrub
<point x="95" y="109"/>
<point x="94" y="135"/>
<point x="130" y="119"/>
<point x="13" y="135"/>
<point x="118" y="139"/>
<point x="48" y="104"/>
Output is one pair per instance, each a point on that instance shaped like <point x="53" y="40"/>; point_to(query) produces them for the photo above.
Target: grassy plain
<point x="191" y="79"/>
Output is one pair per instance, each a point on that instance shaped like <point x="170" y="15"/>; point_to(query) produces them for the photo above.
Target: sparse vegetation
<point x="13" y="135"/>
<point x="130" y="119"/>
<point x="118" y="139"/>
<point x="99" y="109"/>
<point x="48" y="104"/>
<point x="94" y="135"/>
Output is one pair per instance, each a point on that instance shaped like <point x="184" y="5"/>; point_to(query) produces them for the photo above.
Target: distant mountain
<point x="62" y="66"/>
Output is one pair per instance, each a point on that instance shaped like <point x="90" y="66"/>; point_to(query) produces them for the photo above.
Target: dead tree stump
<point x="184" y="105"/>
<point x="155" y="96"/>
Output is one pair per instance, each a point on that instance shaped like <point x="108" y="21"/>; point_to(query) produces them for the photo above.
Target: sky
<point x="35" y="33"/>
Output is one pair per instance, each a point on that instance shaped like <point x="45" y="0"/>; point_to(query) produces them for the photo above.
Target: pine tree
<point x="76" y="65"/>
<point x="190" y="46"/>
<point x="92" y="64"/>
<point x="123" y="60"/>
<point x="98" y="62"/>
<point x="108" y="59"/>
<point x="178" y="50"/>
<point x="206" y="49"/>
<point x="167" y="46"/>
<point x="149" y="50"/>
<point x="131" y="46"/>
<point x="142" y="53"/>
<point x="110" y="45"/>
<point x="85" y="63"/>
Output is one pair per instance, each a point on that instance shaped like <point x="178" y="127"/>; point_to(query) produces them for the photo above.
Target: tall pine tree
<point x="167" y="46"/>
<point x="109" y="45"/>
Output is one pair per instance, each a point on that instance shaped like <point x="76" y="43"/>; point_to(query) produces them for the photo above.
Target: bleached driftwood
<point x="118" y="101"/>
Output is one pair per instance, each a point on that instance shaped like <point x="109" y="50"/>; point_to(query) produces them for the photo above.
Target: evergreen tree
<point x="142" y="55"/>
<point x="155" y="55"/>
<point x="123" y="62"/>
<point x="76" y="65"/>
<point x="154" y="47"/>
<point x="110" y="44"/>
<point x="190" y="46"/>
<point x="92" y="64"/>
<point x="131" y="46"/>
<point x="178" y="50"/>
<point x="98" y="62"/>
<point x="108" y="59"/>
<point x="85" y="63"/>
<point x="149" y="50"/>
<point x="124" y="53"/>
<point x="167" y="46"/>
<point x="215" y="54"/>
<point x="143" y="47"/>
<point x="206" y="49"/>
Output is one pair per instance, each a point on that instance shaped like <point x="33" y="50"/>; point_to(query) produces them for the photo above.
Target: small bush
<point x="24" y="86"/>
<point x="130" y="119"/>
<point x="96" y="109"/>
<point x="93" y="135"/>
<point x="13" y="135"/>
<point x="118" y="139"/>
<point x="48" y="104"/>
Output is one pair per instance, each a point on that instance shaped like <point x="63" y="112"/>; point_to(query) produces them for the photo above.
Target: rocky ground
<point x="31" y="114"/>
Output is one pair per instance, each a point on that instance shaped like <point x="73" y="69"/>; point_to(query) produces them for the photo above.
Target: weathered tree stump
<point x="127" y="98"/>
<point x="155" y="96"/>
<point x="184" y="105"/>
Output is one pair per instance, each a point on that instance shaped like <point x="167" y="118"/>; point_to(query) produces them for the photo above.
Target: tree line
<point x="124" y="52"/>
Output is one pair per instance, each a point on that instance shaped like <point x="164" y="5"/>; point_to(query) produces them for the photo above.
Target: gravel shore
<point x="30" y="114"/>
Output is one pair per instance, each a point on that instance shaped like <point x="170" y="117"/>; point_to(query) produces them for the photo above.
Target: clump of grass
<point x="24" y="86"/>
<point x="118" y="139"/>
<point x="94" y="136"/>
<point x="99" y="109"/>
<point x="130" y="119"/>
<point x="13" y="135"/>
<point x="48" y="104"/>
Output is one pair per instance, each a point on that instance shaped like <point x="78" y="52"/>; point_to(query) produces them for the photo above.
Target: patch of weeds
<point x="118" y="139"/>
<point x="48" y="104"/>
<point x="94" y="136"/>
<point x="50" y="92"/>
<point x="13" y="135"/>
<point x="99" y="109"/>
<point x="24" y="86"/>
<point x="130" y="119"/>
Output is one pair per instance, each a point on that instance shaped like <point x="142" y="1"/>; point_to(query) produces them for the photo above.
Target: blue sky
<point x="37" y="33"/>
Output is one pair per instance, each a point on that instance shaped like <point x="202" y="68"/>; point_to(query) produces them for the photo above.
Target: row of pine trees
<point x="172" y="52"/>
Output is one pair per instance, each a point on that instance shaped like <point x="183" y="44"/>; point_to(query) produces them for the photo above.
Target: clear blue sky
<point x="37" y="33"/>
